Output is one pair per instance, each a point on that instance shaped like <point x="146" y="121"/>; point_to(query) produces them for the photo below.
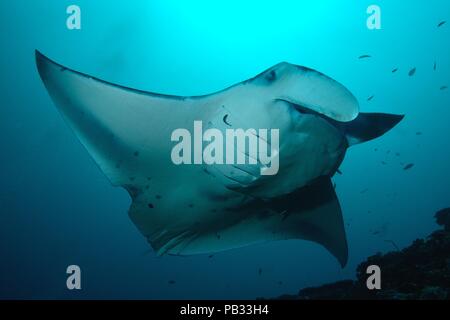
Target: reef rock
<point x="418" y="272"/>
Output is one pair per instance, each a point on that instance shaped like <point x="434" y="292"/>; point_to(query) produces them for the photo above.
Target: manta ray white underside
<point x="195" y="209"/>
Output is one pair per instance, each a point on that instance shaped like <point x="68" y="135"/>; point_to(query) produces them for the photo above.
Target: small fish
<point x="395" y="70"/>
<point x="172" y="282"/>
<point x="383" y="163"/>
<point x="441" y="23"/>
<point x="365" y="56"/>
<point x="364" y="191"/>
<point x="412" y="72"/>
<point x="444" y="88"/>
<point x="435" y="66"/>
<point x="408" y="166"/>
<point x="370" y="98"/>
<point x="211" y="256"/>
<point x="419" y="133"/>
<point x="259" y="271"/>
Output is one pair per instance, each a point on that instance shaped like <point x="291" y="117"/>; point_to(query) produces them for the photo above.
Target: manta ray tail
<point x="368" y="126"/>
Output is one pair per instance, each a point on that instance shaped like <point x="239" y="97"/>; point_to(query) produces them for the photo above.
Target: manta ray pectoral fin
<point x="368" y="126"/>
<point x="113" y="122"/>
<point x="312" y="213"/>
<point x="318" y="218"/>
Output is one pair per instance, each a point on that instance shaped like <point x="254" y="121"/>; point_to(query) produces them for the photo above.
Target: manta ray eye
<point x="271" y="76"/>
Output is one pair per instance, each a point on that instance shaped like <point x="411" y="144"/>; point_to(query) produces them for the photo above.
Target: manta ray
<point x="203" y="209"/>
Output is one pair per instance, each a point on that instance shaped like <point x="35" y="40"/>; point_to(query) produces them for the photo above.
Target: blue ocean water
<point x="58" y="209"/>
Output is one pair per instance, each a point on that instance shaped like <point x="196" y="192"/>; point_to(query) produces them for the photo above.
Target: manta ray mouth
<point x="306" y="110"/>
<point x="365" y="127"/>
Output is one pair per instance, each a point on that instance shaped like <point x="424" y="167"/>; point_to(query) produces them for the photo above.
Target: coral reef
<point x="418" y="272"/>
